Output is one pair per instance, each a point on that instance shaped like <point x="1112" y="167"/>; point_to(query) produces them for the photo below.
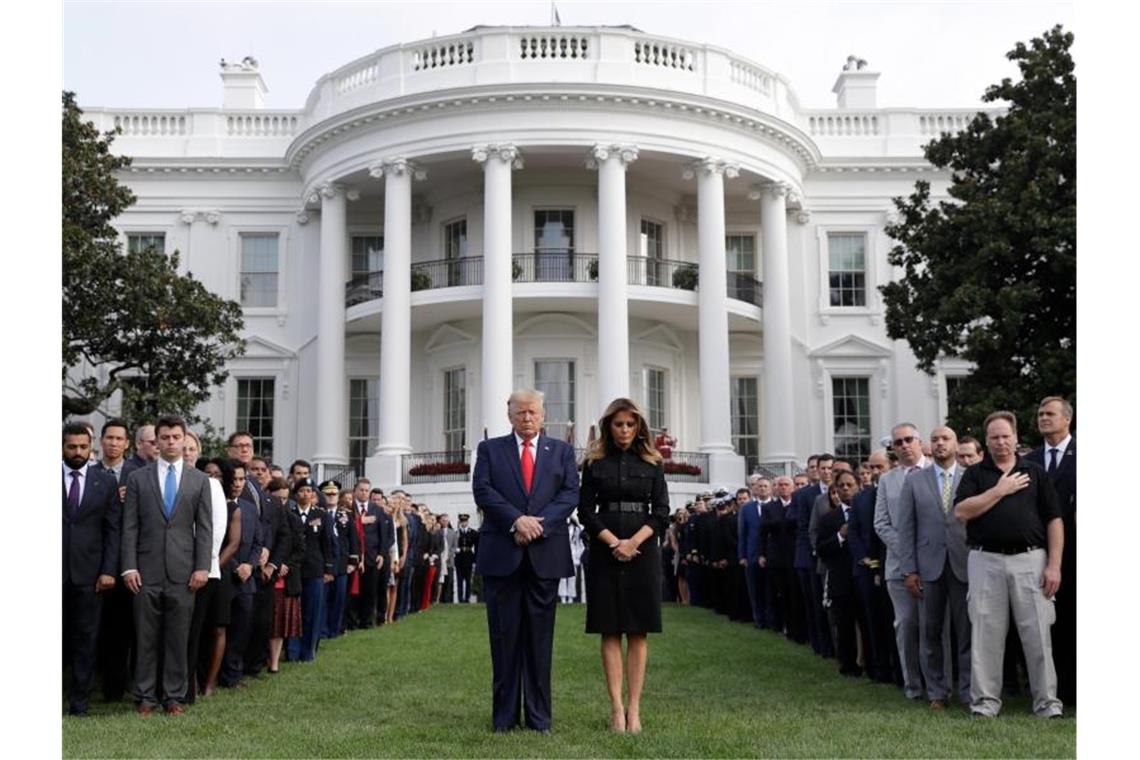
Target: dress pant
<point x="875" y="618"/>
<point x="363" y="605"/>
<point x="694" y="576"/>
<point x="794" y="619"/>
<point x="117" y="642"/>
<point x="237" y="636"/>
<point x="754" y="578"/>
<point x="463" y="578"/>
<point x="82" y="609"/>
<point x="804" y="582"/>
<point x="203" y="603"/>
<point x="404" y="593"/>
<point x="520" y="622"/>
<point x="257" y="651"/>
<point x="822" y="625"/>
<point x="775" y="581"/>
<point x="1001" y="585"/>
<point x="304" y="648"/>
<point x="336" y="593"/>
<point x="382" y="577"/>
<point x="907" y="624"/>
<point x="843" y="612"/>
<point x="945" y="594"/>
<point x="162" y="624"/>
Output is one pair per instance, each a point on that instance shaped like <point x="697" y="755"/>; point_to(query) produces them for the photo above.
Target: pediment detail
<point x="850" y="346"/>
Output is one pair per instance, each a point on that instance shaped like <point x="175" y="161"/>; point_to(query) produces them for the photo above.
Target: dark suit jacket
<point x="316" y="536"/>
<point x="865" y="542"/>
<point x="1065" y="484"/>
<point x="835" y="555"/>
<point x="91" y="539"/>
<point x="777" y="542"/>
<point x="161" y="549"/>
<point x="748" y="531"/>
<point x="498" y="489"/>
<point x="802" y="501"/>
<point x="249" y="547"/>
<point x="373" y="542"/>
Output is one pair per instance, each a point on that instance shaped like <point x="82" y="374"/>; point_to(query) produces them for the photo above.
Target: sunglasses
<point x="904" y="440"/>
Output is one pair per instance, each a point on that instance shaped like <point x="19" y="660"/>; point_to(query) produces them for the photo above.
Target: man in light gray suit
<point x="908" y="446"/>
<point x="166" y="545"/>
<point x="932" y="559"/>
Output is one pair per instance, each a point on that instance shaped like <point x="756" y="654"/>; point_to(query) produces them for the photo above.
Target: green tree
<point x="990" y="275"/>
<point x="131" y="322"/>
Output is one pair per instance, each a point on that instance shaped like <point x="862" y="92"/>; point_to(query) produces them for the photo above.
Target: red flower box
<point x="440" y="468"/>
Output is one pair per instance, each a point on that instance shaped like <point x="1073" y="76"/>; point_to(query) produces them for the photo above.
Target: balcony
<point x="547" y="266"/>
<point x="435" y="467"/>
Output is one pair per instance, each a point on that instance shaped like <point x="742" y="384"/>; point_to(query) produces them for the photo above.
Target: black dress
<point x="623" y="597"/>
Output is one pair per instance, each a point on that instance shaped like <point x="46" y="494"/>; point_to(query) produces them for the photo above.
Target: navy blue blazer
<point x="249" y="547"/>
<point x="802" y="502"/>
<point x="865" y="542"/>
<point x="91" y="539"/>
<point x="748" y="532"/>
<point x="497" y="485"/>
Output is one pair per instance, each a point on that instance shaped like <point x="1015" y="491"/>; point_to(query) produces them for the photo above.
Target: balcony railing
<point x="364" y="287"/>
<point x="547" y="266"/>
<point x="687" y="467"/>
<point x="435" y="467"/>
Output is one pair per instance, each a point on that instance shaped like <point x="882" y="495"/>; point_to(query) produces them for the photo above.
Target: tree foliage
<point x="131" y="322"/>
<point x="990" y="275"/>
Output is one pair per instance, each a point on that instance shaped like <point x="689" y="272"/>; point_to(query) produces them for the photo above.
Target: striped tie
<point x="947" y="481"/>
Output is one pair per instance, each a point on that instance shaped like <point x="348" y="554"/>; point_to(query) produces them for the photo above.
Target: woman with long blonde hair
<point x="624" y="507"/>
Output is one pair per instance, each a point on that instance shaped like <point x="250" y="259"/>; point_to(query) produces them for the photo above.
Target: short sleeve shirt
<point x="1019" y="519"/>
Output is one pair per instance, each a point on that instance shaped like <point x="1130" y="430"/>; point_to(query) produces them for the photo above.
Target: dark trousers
<point x="796" y="620"/>
<point x="775" y="597"/>
<point x="257" y="651"/>
<point x="82" y="609"/>
<point x="363" y="605"/>
<point x="382" y="577"/>
<point x="695" y="577"/>
<point x="203" y="602"/>
<point x="404" y="592"/>
<point x="336" y="592"/>
<point x="822" y="627"/>
<point x="1064" y="636"/>
<point x="304" y="648"/>
<point x="804" y="580"/>
<point x="754" y="577"/>
<point x="874" y="608"/>
<point x="237" y="637"/>
<point x="843" y="611"/>
<point x="162" y="624"/>
<point x="117" y="642"/>
<point x="463" y="577"/>
<point x="520" y="621"/>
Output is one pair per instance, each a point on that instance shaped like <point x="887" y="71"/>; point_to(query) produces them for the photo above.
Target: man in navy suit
<point x="748" y="546"/>
<point x="1059" y="458"/>
<point x="90" y="557"/>
<point x="527" y="487"/>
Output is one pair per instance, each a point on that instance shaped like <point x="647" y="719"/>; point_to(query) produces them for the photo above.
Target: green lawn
<point x="422" y="688"/>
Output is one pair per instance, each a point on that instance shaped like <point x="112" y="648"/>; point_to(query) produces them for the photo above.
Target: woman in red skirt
<point x="287" y="586"/>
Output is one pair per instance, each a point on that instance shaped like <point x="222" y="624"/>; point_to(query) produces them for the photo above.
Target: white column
<point x="331" y="445"/>
<point x="725" y="466"/>
<point x="777" y="399"/>
<point x="395" y="320"/>
<point x="613" y="309"/>
<point x="498" y="319"/>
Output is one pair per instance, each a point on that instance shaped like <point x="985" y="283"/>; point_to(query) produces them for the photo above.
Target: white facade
<point x="584" y="167"/>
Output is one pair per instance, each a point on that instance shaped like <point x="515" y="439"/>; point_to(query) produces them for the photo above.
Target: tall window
<point x="651" y="248"/>
<point x="259" y="270"/>
<point x="655" y="399"/>
<point x="740" y="253"/>
<point x="847" y="274"/>
<point x="744" y="400"/>
<point x="139" y="242"/>
<point x="455" y="250"/>
<point x="555" y="378"/>
<point x="454" y="409"/>
<point x="953" y="383"/>
<point x="255" y="412"/>
<point x="851" y="417"/>
<point x="367" y="254"/>
<point x="363" y="420"/>
<point x="554" y="245"/>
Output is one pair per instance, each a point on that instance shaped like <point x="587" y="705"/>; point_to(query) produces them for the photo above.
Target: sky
<point x="165" y="54"/>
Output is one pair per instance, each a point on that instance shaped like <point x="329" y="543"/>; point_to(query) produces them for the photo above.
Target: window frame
<point x="575" y="387"/>
<point x="872" y="305"/>
<point x="647" y="370"/>
<point x="372" y="435"/>
<point x="831" y="427"/>
<point x="732" y="417"/>
<point x="282" y="233"/>
<point x="275" y="400"/>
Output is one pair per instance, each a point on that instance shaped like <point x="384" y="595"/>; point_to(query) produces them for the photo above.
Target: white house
<point x="449" y="219"/>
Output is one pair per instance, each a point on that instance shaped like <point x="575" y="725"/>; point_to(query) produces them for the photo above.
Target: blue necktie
<point x="171" y="491"/>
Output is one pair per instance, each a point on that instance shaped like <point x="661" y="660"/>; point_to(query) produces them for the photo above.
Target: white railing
<point x="940" y="123"/>
<point x="148" y="124"/>
<point x="554" y="47"/>
<point x="749" y="76"/>
<point x="664" y="54"/>
<point x="261" y="125"/>
<point x="443" y="55"/>
<point x="843" y="125"/>
<point x="361" y="77"/>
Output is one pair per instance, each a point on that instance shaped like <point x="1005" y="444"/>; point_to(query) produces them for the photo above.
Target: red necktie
<point x="527" y="463"/>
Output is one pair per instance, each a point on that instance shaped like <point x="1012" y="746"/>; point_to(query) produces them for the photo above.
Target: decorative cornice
<point x="210" y="216"/>
<point x="397" y="166"/>
<point x="771" y="189"/>
<point x="710" y="166"/>
<point x="600" y="152"/>
<point x="508" y="153"/>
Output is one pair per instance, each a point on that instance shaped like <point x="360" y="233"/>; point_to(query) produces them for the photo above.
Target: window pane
<point x="258" y="270"/>
<point x="367" y="254"/>
<point x="138" y="242"/>
<point x="847" y="278"/>
<point x="455" y="409"/>
<point x="363" y="420"/>
<point x="555" y="378"/>
<point x="744" y="402"/>
<point x="740" y="251"/>
<point x="655" y="399"/>
<point x="255" y="412"/>
<point x="851" y="417"/>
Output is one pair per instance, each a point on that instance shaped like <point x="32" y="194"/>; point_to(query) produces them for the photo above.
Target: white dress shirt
<point x="218" y="510"/>
<point x="82" y="479"/>
<point x="533" y="447"/>
<point x="163" y="466"/>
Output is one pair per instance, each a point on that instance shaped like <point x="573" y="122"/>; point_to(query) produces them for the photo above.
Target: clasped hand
<point x="625" y="550"/>
<point x="527" y="529"/>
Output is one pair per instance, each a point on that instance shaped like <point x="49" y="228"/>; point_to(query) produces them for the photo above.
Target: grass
<point x="422" y="688"/>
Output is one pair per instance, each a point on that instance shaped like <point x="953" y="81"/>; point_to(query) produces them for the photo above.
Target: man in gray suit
<point x="932" y="559"/>
<point x="908" y="446"/>
<point x="166" y="544"/>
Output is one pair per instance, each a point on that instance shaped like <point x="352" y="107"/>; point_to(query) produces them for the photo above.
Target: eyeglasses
<point x="904" y="440"/>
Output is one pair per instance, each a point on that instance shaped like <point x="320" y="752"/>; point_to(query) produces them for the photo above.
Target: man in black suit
<point x="367" y="524"/>
<point x="1058" y="456"/>
<point x="868" y="555"/>
<point x="527" y="486"/>
<point x="834" y="549"/>
<point x="777" y="548"/>
<point x="90" y="557"/>
<point x="468" y="544"/>
<point x="166" y="546"/>
<point x="276" y="542"/>
<point x="239" y="572"/>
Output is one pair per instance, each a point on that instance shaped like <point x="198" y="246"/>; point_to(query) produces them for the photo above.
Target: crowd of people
<point x="183" y="574"/>
<point x="869" y="562"/>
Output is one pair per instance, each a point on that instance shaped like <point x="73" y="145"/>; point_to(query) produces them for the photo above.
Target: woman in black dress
<point x="624" y="507"/>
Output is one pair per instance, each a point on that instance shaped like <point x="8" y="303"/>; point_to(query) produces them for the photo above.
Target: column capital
<point x="600" y="152"/>
<point x="801" y="215"/>
<point x="210" y="216"/>
<point x="508" y="153"/>
<point x="397" y="166"/>
<point x="303" y="217"/>
<point x="709" y="167"/>
<point x="771" y="189"/>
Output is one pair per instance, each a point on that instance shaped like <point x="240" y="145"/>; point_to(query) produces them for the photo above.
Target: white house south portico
<point x="595" y="212"/>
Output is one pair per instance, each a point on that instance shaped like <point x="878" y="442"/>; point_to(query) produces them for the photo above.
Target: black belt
<point x="1014" y="549"/>
<point x="624" y="506"/>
